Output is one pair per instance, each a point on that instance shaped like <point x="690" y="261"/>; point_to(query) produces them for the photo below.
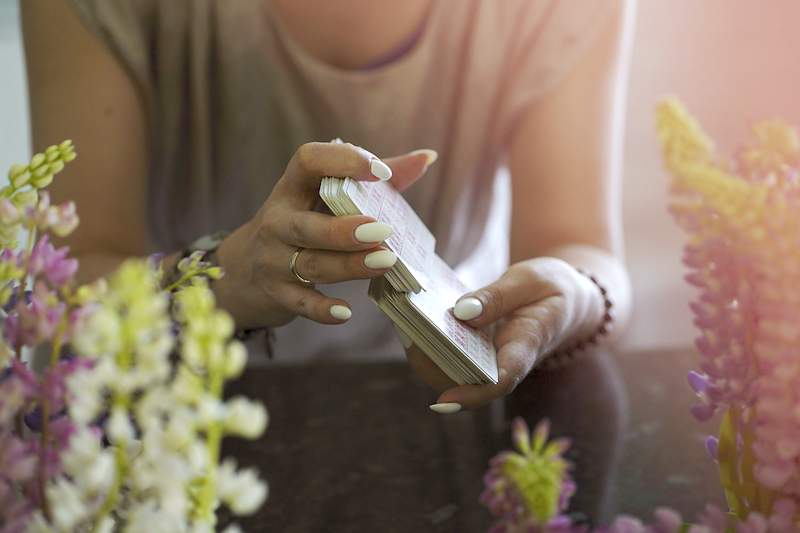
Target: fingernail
<point x="341" y="312"/>
<point x="380" y="260"/>
<point x="380" y="169"/>
<point x="430" y="155"/>
<point x="373" y="232"/>
<point x="446" y="408"/>
<point x="405" y="340"/>
<point x="468" y="308"/>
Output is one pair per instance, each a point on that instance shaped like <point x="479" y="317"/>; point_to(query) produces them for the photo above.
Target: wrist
<point x="227" y="290"/>
<point x="593" y="309"/>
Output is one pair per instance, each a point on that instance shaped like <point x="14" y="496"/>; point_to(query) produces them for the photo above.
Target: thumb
<point x="408" y="168"/>
<point x="516" y="288"/>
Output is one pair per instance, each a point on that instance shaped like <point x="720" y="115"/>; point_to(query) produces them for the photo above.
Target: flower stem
<point x="120" y="451"/>
<point x="121" y="457"/>
<point x="205" y="502"/>
<point x="26" y="272"/>
<point x="45" y="406"/>
<point x="121" y="460"/>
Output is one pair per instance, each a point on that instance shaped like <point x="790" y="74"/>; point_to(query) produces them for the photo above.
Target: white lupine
<point x="106" y="525"/>
<point x="192" y="352"/>
<point x="85" y="396"/>
<point x="167" y="420"/>
<point x="241" y="490"/>
<point x="89" y="465"/>
<point x="210" y="410"/>
<point x="187" y="387"/>
<point x="118" y="427"/>
<point x="146" y="517"/>
<point x="197" y="455"/>
<point x="99" y="333"/>
<point x="71" y="509"/>
<point x="180" y="430"/>
<point x="235" y="359"/>
<point x="245" y="418"/>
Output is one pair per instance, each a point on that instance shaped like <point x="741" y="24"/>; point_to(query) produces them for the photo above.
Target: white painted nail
<point x="446" y="408"/>
<point x="380" y="260"/>
<point x="341" y="312"/>
<point x="430" y="155"/>
<point x="373" y="232"/>
<point x="380" y="169"/>
<point x="468" y="308"/>
<point x="405" y="340"/>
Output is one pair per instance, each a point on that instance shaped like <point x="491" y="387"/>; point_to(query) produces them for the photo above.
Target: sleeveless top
<point x="229" y="96"/>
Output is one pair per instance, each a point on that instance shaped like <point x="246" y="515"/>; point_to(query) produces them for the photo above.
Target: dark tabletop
<point x="354" y="447"/>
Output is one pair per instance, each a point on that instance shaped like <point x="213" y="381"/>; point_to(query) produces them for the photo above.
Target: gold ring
<point x="293" y="267"/>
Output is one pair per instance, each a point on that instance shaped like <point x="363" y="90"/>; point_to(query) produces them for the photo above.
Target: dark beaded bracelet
<point x="566" y="355"/>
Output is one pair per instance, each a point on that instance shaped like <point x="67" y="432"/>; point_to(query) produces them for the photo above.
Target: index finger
<point x="313" y="161"/>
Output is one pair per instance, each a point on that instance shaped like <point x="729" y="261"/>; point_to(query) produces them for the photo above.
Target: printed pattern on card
<point x="436" y="303"/>
<point x="411" y="240"/>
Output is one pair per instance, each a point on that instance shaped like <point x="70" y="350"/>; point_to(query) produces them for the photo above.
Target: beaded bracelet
<point x="564" y="356"/>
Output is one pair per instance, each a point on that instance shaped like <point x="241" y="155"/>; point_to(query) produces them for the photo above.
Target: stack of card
<point x="464" y="353"/>
<point x="419" y="292"/>
<point x="411" y="240"/>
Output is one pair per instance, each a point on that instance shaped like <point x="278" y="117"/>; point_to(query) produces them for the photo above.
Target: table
<point x="354" y="447"/>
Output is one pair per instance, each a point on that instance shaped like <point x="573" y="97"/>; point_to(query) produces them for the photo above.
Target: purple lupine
<point x="37" y="322"/>
<point x="51" y="263"/>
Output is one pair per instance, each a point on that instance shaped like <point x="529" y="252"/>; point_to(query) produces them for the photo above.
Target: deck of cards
<point x="419" y="292"/>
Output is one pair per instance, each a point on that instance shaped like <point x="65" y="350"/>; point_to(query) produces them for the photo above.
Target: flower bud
<point x="19" y="176"/>
<point x="245" y="418"/>
<point x="37" y="161"/>
<point x="235" y="359"/>
<point x="9" y="214"/>
<point x="56" y="167"/>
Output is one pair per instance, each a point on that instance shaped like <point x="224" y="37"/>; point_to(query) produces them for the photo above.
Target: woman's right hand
<point x="259" y="289"/>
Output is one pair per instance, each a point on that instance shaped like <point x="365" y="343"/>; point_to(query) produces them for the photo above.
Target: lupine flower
<point x="529" y="488"/>
<point x="742" y="255"/>
<point x="54" y="265"/>
<point x="166" y="427"/>
<point x="164" y="422"/>
<point x="60" y="219"/>
<point x="36" y="322"/>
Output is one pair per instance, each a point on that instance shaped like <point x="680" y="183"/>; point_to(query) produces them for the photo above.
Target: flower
<point x="36" y="322"/>
<point x="53" y="264"/>
<point x="742" y="255"/>
<point x="245" y="418"/>
<point x="60" y="219"/>
<point x="241" y="490"/>
<point x="120" y="436"/>
<point x="529" y="488"/>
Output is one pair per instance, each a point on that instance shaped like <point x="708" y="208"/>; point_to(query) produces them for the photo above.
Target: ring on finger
<point x="293" y="268"/>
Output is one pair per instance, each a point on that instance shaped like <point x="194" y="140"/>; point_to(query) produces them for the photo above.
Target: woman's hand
<point x="536" y="306"/>
<point x="259" y="288"/>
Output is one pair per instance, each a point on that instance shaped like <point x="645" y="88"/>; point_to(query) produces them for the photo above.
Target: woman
<point x="196" y="116"/>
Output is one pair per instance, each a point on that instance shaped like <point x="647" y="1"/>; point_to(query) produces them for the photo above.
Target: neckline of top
<point x="423" y="37"/>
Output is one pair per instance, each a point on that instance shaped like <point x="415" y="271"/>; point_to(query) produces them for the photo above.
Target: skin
<point x="564" y="186"/>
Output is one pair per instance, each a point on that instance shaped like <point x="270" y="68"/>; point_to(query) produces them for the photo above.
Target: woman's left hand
<point x="536" y="306"/>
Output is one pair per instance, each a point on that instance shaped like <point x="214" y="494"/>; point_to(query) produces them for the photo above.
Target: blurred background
<point x="731" y="62"/>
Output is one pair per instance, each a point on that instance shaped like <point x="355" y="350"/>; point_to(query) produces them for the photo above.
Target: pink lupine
<point x="51" y="263"/>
